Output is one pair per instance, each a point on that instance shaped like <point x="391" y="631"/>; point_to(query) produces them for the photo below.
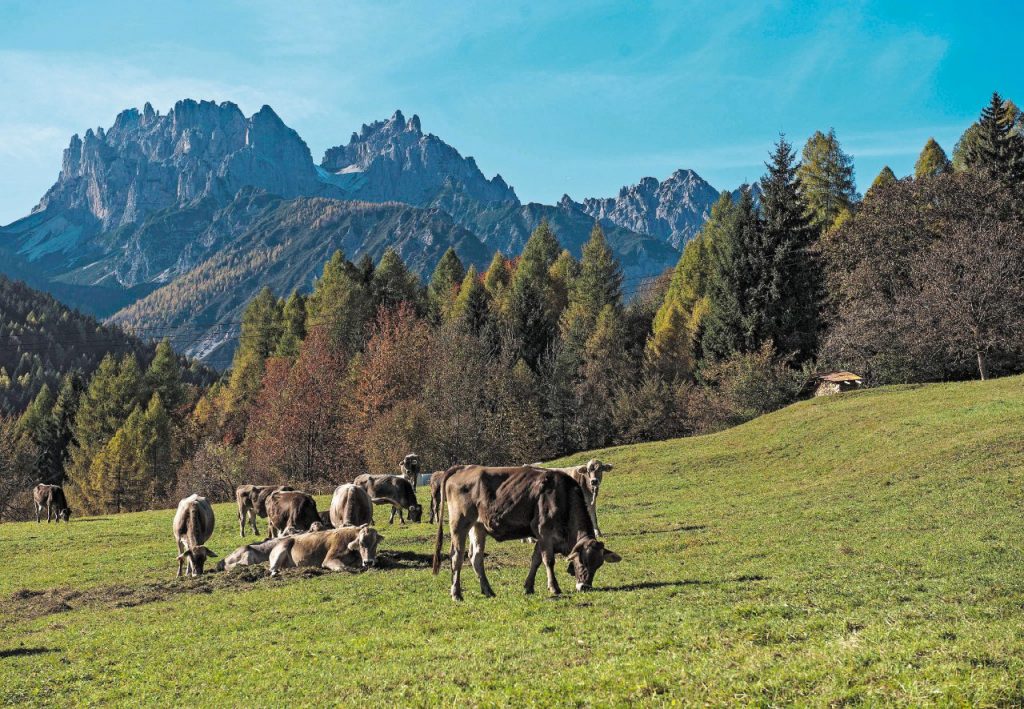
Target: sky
<point x="563" y="97"/>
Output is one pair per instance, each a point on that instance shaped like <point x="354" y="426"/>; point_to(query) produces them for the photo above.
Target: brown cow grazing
<point x="333" y="549"/>
<point x="513" y="503"/>
<point x="392" y="490"/>
<point x="435" y="495"/>
<point x="289" y="508"/>
<point x="51" y="497"/>
<point x="351" y="506"/>
<point x="193" y="525"/>
<point x="252" y="503"/>
<point x="410" y="467"/>
<point x="589" y="476"/>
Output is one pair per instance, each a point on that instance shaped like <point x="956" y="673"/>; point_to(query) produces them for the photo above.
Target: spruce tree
<point x="472" y="309"/>
<point x="599" y="283"/>
<point x="63" y="420"/>
<point x="529" y="307"/>
<point x="341" y="303"/>
<point x="293" y="330"/>
<point x="444" y="285"/>
<point x="605" y="371"/>
<point x="261" y="330"/>
<point x="394" y="283"/>
<point x="37" y="425"/>
<point x="884" y="178"/>
<point x="164" y="377"/>
<point x="826" y="179"/>
<point x="931" y="162"/>
<point x="998" y="150"/>
<point x="563" y="272"/>
<point x="496" y="279"/>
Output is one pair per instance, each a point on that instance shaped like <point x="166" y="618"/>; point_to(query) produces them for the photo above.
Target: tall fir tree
<point x="884" y="178"/>
<point x="529" y="308"/>
<point x="496" y="280"/>
<point x="163" y="377"/>
<point x="37" y="425"/>
<point x="998" y="148"/>
<point x="393" y="283"/>
<point x="932" y="161"/>
<point x="826" y="179"/>
<point x="261" y="330"/>
<point x="605" y="371"/>
<point x="444" y="285"/>
<point x="293" y="326"/>
<point x="599" y="283"/>
<point x="341" y="304"/>
<point x="472" y="309"/>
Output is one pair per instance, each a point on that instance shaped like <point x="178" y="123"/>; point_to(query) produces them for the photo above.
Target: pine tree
<point x="393" y="283"/>
<point x="826" y="179"/>
<point x="606" y="371"/>
<point x="164" y="377"/>
<point x="472" y="309"/>
<point x="599" y="284"/>
<point x="444" y="285"/>
<point x="885" y="178"/>
<point x="529" y="308"/>
<point x="998" y="149"/>
<point x="496" y="280"/>
<point x="293" y="326"/>
<point x="63" y="420"/>
<point x="37" y="425"/>
<point x="341" y="303"/>
<point x="564" y="272"/>
<point x="931" y="162"/>
<point x="261" y="330"/>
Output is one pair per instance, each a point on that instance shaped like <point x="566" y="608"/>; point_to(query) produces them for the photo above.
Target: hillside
<point x="41" y="340"/>
<point x="859" y="548"/>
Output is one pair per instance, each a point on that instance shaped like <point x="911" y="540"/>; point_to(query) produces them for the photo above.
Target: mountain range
<point x="174" y="221"/>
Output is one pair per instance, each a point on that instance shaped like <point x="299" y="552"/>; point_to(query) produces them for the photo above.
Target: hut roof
<point x="839" y="377"/>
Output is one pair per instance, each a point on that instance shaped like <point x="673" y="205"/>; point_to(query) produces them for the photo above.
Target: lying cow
<point x="249" y="554"/>
<point x="333" y="549"/>
<point x="351" y="506"/>
<point x="392" y="490"/>
<point x="410" y="467"/>
<point x="589" y="477"/>
<point x="290" y="508"/>
<point x="51" y="497"/>
<point x="193" y="526"/>
<point x="252" y="503"/>
<point x="513" y="503"/>
<point x="435" y="495"/>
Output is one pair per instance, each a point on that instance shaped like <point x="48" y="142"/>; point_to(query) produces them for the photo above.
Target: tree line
<point x="541" y="354"/>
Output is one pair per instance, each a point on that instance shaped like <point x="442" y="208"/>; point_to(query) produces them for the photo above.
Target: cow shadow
<point x="645" y="585"/>
<point x="670" y="530"/>
<point x="404" y="560"/>
<point x="26" y="651"/>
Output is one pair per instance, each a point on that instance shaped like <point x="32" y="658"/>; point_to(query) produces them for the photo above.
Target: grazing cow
<point x="513" y="503"/>
<point x="252" y="503"/>
<point x="351" y="506"/>
<point x="435" y="495"/>
<point x="333" y="549"/>
<point x="325" y="520"/>
<point x="290" y="508"/>
<point x="51" y="497"/>
<point x="589" y="477"/>
<point x="392" y="490"/>
<point x="410" y="467"/>
<point x="193" y="525"/>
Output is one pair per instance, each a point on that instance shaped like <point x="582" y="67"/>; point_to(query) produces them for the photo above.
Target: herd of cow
<point x="555" y="508"/>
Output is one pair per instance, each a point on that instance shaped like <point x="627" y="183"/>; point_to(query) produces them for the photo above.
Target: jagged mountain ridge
<point x="157" y="198"/>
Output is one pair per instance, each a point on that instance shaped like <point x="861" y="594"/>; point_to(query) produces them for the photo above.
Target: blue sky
<point x="576" y="98"/>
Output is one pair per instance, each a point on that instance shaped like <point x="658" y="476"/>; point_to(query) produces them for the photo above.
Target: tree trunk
<point x="981" y="365"/>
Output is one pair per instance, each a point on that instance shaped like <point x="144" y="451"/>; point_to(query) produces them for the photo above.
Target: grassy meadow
<point x="864" y="548"/>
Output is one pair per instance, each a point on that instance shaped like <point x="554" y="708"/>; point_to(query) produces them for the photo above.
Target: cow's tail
<point x="440" y="517"/>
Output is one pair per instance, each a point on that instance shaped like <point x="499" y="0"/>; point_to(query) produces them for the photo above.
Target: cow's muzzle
<point x="369" y="563"/>
<point x="583" y="587"/>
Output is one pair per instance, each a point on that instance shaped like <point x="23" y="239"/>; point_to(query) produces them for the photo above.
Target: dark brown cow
<point x="333" y="549"/>
<point x="289" y="508"/>
<point x="392" y="490"/>
<point x="351" y="506"/>
<point x="435" y="495"/>
<point x="252" y="503"/>
<point x="589" y="476"/>
<point x="193" y="525"/>
<point x="410" y="467"/>
<point x="51" y="497"/>
<point x="513" y="503"/>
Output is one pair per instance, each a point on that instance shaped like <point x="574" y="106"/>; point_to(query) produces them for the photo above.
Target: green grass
<point x="865" y="548"/>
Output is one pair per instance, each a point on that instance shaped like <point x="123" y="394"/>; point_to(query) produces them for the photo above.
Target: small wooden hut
<point x="836" y="382"/>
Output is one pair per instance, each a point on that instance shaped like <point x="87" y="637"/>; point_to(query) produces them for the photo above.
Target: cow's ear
<point x="611" y="557"/>
<point x="210" y="552"/>
<point x="353" y="545"/>
<point x="380" y="538"/>
<point x="182" y="556"/>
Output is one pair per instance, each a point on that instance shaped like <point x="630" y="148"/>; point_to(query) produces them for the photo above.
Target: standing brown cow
<point x="392" y="490"/>
<point x="193" y="525"/>
<point x="51" y="497"/>
<point x="589" y="476"/>
<point x="513" y="503"/>
<point x="435" y="495"/>
<point x="290" y="508"/>
<point x="252" y="503"/>
<point x="410" y="467"/>
<point x="351" y="506"/>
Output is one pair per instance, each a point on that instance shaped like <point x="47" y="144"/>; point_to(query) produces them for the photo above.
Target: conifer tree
<point x="529" y="308"/>
<point x="341" y="303"/>
<point x="393" y="283"/>
<point x="444" y="285"/>
<point x="931" y="162"/>
<point x="599" y="284"/>
<point x="293" y="330"/>
<point x="563" y="272"/>
<point x="472" y="309"/>
<point x="261" y="330"/>
<point x="998" y="149"/>
<point x="164" y="377"/>
<point x="604" y="372"/>
<point x="496" y="278"/>
<point x="826" y="179"/>
<point x="37" y="425"/>
<point x="63" y="420"/>
<point x="884" y="178"/>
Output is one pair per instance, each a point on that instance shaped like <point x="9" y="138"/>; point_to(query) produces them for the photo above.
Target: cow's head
<point x="65" y="514"/>
<point x="586" y="558"/>
<point x="365" y="543"/>
<point x="196" y="556"/>
<point x="411" y="464"/>
<point x="317" y="527"/>
<point x="595" y="474"/>
<point x="415" y="512"/>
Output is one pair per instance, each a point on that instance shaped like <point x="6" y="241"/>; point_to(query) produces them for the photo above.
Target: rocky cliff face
<point x="394" y="160"/>
<point x="672" y="210"/>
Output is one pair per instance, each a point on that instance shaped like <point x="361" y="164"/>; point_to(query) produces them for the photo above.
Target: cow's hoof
<point x="457" y="596"/>
<point x="528" y="590"/>
<point x="488" y="593"/>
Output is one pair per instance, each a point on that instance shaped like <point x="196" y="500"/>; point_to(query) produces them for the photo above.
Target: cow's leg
<point x="592" y="508"/>
<point x="477" y="538"/>
<point x="241" y="522"/>
<point x="458" y="553"/>
<point x="534" y="565"/>
<point x="333" y="563"/>
<point x="47" y="511"/>
<point x="181" y="551"/>
<point x="548" y="555"/>
<point x="39" y="511"/>
<point x="252" y="520"/>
